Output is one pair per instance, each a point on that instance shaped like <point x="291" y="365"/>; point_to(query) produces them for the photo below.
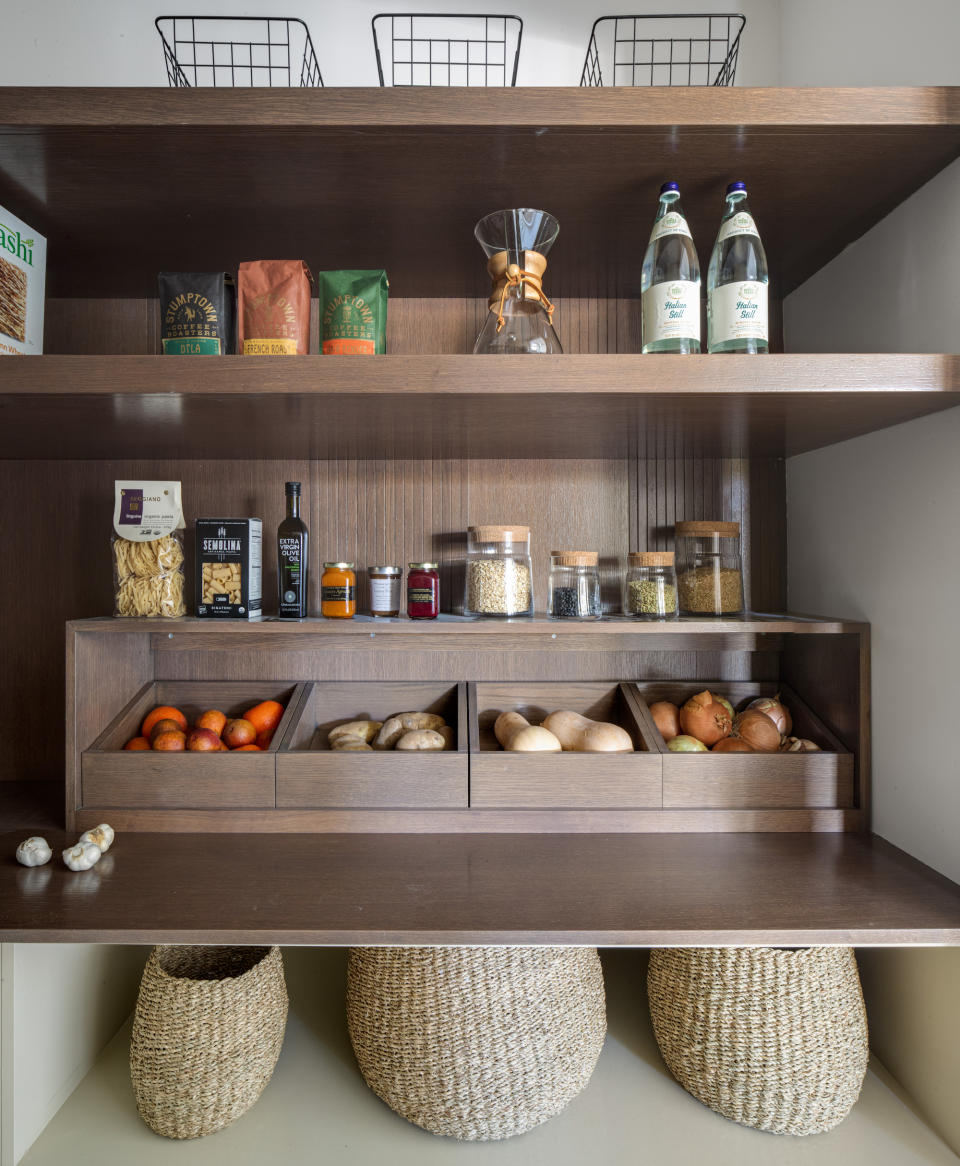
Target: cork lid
<point x="574" y="558"/>
<point x="693" y="529"/>
<point x="498" y="534"/>
<point x="651" y="558"/>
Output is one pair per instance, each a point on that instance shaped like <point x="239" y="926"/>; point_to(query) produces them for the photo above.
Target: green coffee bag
<point x="353" y="312"/>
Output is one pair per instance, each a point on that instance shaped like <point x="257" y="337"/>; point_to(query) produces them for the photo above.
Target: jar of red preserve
<point x="423" y="591"/>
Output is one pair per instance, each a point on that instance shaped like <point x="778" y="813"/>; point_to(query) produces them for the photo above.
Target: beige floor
<point x="317" y="1108"/>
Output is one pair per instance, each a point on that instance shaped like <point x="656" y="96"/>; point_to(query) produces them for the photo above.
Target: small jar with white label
<point x="385" y="591"/>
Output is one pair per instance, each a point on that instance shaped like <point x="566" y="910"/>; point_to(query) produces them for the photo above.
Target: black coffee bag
<point x="198" y="313"/>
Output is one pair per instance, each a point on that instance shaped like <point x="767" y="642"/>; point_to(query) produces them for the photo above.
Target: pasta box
<point x="23" y="269"/>
<point x="229" y="568"/>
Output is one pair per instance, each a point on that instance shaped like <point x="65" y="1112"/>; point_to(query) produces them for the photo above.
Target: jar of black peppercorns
<point x="574" y="591"/>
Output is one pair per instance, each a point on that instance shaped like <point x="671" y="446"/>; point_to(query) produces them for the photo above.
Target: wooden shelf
<point x="199" y="180"/>
<point x="608" y="889"/>
<point x="317" y="1099"/>
<point x="586" y="406"/>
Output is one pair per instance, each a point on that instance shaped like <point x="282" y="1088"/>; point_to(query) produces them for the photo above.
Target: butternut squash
<point x="579" y="734"/>
<point x="517" y="735"/>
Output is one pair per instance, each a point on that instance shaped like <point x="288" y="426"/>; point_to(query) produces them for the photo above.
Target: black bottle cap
<point x="293" y="487"/>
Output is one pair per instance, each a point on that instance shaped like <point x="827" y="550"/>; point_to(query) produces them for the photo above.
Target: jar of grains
<point x="651" y="590"/>
<point x="574" y="585"/>
<point x="709" y="570"/>
<point x="499" y="572"/>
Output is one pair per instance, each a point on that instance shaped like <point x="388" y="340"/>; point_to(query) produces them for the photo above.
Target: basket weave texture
<point x="207" y="1032"/>
<point x="476" y="1043"/>
<point x="773" y="1039"/>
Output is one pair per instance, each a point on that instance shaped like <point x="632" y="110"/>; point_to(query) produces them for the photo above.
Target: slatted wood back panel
<point x="367" y="511"/>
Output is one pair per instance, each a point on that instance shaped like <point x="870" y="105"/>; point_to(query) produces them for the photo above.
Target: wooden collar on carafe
<point x="506" y="275"/>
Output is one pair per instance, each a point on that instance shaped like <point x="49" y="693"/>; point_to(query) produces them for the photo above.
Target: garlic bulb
<point x="34" y="851"/>
<point x="101" y="836"/>
<point x="82" y="856"/>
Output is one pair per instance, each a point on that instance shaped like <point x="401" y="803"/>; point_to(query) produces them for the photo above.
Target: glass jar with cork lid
<point x="709" y="568"/>
<point x="574" y="585"/>
<point x="651" y="587"/>
<point x="499" y="571"/>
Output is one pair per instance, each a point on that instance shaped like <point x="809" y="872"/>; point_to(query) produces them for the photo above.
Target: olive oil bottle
<point x="292" y="559"/>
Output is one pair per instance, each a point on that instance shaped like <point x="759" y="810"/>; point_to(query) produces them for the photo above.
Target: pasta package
<point x="229" y="567"/>
<point x="23" y="269"/>
<point x="148" y="573"/>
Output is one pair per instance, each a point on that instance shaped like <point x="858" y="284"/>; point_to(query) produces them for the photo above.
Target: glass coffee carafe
<point x="520" y="319"/>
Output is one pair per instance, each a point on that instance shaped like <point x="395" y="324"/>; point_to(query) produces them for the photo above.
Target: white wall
<point x="113" y="42"/>
<point x="59" y="1006"/>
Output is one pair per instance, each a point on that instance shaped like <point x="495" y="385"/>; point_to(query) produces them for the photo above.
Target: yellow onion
<point x="758" y="730"/>
<point x="666" y="717"/>
<point x="705" y="718"/>
<point x="726" y="704"/>
<point x="775" y="710"/>
<point x="732" y="745"/>
<point x="686" y="744"/>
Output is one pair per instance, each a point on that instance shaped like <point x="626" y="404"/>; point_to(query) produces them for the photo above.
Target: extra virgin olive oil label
<point x="353" y="312"/>
<point x="738" y="311"/>
<point x="197" y="313"/>
<point x="671" y="311"/>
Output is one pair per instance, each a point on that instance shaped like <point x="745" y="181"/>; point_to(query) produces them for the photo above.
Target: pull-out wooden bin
<point x="112" y="777"/>
<point x="311" y="776"/>
<point x="499" y="779"/>
<point x="730" y="781"/>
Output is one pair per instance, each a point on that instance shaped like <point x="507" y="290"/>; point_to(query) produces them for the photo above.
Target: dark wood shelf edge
<point x="718" y="889"/>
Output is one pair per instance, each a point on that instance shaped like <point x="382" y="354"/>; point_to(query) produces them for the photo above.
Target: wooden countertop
<point x="655" y="890"/>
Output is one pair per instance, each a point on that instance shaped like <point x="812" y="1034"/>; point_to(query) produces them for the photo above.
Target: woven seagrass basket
<point x="207" y="1032"/>
<point x="769" y="1038"/>
<point x="476" y="1043"/>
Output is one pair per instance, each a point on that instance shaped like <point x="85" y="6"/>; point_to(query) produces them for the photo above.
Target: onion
<point x="726" y="704"/>
<point x="732" y="745"/>
<point x="775" y="710"/>
<point x="666" y="717"/>
<point x="758" y="730"/>
<point x="705" y="718"/>
<point x="686" y="744"/>
<point x="798" y="745"/>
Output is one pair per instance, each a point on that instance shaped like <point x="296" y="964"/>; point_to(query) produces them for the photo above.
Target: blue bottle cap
<point x="736" y="186"/>
<point x="668" y="186"/>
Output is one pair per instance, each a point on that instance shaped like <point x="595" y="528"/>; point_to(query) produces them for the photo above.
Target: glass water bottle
<point x="737" y="281"/>
<point x="670" y="281"/>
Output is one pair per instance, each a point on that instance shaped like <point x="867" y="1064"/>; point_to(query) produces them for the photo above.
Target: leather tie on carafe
<point x="507" y="275"/>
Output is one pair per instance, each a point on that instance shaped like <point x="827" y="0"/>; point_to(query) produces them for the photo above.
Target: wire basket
<point x="238" y="51"/>
<point x="446" y="49"/>
<point x="697" y="49"/>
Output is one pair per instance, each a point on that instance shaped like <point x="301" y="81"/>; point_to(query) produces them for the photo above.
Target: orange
<point x="212" y="719"/>
<point x="239" y="732"/>
<point x="265" y="716"/>
<point x="203" y="741"/>
<point x="247" y="749"/>
<point x="167" y="725"/>
<point x="173" y="741"/>
<point x="264" y="739"/>
<point x="161" y="712"/>
<point x="135" y="744"/>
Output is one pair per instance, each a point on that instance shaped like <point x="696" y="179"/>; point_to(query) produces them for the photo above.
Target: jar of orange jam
<point x="338" y="591"/>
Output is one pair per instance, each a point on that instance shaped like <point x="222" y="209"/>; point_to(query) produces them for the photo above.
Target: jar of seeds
<point x="709" y="568"/>
<point x="651" y="588"/>
<point x="499" y="572"/>
<point x="574" y="585"/>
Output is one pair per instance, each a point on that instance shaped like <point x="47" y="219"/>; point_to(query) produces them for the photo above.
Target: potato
<point x="390" y="733"/>
<point x="578" y="734"/>
<point x="366" y="730"/>
<point x="517" y="735"/>
<point x="350" y="745"/>
<point x="421" y="721"/>
<point x="426" y="740"/>
<point x="449" y="737"/>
